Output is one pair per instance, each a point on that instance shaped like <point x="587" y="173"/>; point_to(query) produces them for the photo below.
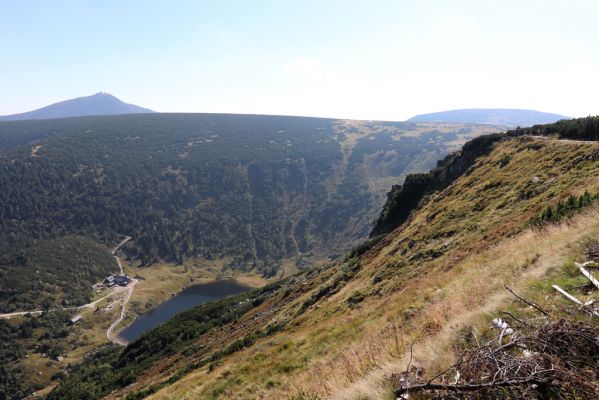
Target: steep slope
<point x="338" y="331"/>
<point x="493" y="116"/>
<point x="256" y="189"/>
<point x="97" y="104"/>
<point x="402" y="199"/>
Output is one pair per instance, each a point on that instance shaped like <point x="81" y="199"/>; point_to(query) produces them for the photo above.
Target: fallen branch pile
<point x="555" y="360"/>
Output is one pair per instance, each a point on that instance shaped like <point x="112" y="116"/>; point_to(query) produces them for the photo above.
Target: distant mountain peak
<point x="101" y="103"/>
<point x="510" y="117"/>
<point x="105" y="94"/>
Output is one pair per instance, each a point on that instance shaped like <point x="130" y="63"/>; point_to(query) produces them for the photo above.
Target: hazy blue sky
<point x="352" y="59"/>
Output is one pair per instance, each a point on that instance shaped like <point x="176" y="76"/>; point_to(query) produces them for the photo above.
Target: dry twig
<point x="530" y="303"/>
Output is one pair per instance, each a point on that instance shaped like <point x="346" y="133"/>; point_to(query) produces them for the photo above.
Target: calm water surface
<point x="188" y="298"/>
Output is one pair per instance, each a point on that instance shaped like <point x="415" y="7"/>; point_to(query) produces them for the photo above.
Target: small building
<point x="119" y="280"/>
<point x="75" y="319"/>
<point x="122" y="280"/>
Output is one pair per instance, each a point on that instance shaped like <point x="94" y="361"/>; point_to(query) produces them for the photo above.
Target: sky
<point x="375" y="59"/>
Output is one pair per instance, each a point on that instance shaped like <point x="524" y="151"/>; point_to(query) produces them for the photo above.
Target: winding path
<point x="110" y="335"/>
<point x="114" y="338"/>
<point x="113" y="252"/>
<point x="88" y="305"/>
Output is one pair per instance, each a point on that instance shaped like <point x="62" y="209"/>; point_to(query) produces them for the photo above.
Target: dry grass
<point x="473" y="296"/>
<point x="468" y="241"/>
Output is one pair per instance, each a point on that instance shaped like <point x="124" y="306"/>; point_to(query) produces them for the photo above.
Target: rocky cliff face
<point x="403" y="199"/>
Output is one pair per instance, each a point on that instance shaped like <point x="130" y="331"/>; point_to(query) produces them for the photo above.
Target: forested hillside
<point x="53" y="273"/>
<point x="258" y="188"/>
<point x="407" y="302"/>
<point x="575" y="129"/>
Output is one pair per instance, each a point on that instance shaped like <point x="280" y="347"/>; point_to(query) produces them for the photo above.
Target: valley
<point x="291" y="189"/>
<point x="107" y="315"/>
<point x="427" y="224"/>
<point x="415" y="293"/>
<point x="299" y="200"/>
<point x="164" y="199"/>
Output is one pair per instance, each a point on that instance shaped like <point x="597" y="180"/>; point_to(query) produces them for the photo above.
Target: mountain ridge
<point x="97" y="104"/>
<point x="509" y="117"/>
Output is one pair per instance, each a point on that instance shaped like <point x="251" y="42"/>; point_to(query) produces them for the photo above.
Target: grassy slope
<point x="437" y="275"/>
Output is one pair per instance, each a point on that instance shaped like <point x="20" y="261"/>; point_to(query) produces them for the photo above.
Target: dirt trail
<point x="110" y="335"/>
<point x="16" y="314"/>
<point x="564" y="140"/>
<point x="88" y="305"/>
<point x="113" y="252"/>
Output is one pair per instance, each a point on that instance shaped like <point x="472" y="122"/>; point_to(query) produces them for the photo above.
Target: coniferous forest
<point x="257" y="188"/>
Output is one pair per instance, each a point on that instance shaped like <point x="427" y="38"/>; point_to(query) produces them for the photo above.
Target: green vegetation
<point x="13" y="382"/>
<point x="250" y="192"/>
<point x="471" y="202"/>
<point x="258" y="188"/>
<point x="342" y="321"/>
<point x="577" y="129"/>
<point x="52" y="274"/>
<point x="564" y="209"/>
<point x="45" y="335"/>
<point x="346" y="272"/>
<point x="403" y="199"/>
<point x="109" y="368"/>
<point x="212" y="361"/>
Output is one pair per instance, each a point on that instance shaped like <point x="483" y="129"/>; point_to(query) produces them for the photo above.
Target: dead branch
<point x="411" y="354"/>
<point x="516" y="319"/>
<point x="472" y="387"/>
<point x="530" y="303"/>
<point x="559" y="359"/>
<point x="587" y="307"/>
<point x="588" y="274"/>
<point x="567" y="295"/>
